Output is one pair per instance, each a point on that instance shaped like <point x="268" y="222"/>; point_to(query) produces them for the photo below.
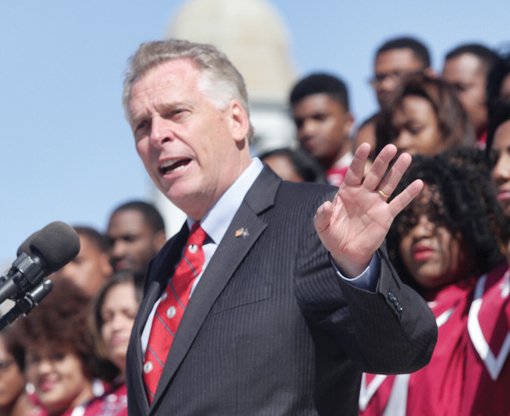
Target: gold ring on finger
<point x="383" y="194"/>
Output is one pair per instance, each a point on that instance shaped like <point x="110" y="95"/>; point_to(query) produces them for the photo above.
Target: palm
<point x="353" y="226"/>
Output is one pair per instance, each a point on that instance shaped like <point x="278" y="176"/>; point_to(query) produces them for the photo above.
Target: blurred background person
<point x="113" y="314"/>
<point x="294" y="165"/>
<point x="396" y="59"/>
<point x="136" y="232"/>
<point x="90" y="269"/>
<point x="365" y="132"/>
<point x="59" y="351"/>
<point x="424" y="117"/>
<point x="466" y="67"/>
<point x="498" y="151"/>
<point x="443" y="243"/>
<point x="320" y="109"/>
<point x="498" y="82"/>
<point x="14" y="399"/>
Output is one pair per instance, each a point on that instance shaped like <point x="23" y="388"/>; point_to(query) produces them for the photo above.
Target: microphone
<point x="41" y="254"/>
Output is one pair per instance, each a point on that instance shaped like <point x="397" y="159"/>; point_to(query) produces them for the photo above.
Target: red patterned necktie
<point x="171" y="309"/>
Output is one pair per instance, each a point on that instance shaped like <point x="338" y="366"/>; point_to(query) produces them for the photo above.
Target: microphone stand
<point x="27" y="303"/>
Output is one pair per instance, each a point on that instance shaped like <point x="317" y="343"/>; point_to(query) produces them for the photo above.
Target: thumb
<point x="323" y="217"/>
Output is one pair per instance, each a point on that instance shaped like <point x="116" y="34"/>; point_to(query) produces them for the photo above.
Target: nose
<point x="117" y="322"/>
<point x="501" y="170"/>
<point x="388" y="83"/>
<point x="423" y="227"/>
<point x="118" y="248"/>
<point x="307" y="129"/>
<point x="161" y="131"/>
<point x="44" y="366"/>
<point x="67" y="272"/>
<point x="403" y="141"/>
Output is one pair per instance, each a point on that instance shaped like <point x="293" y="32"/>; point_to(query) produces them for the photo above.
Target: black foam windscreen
<point x="56" y="244"/>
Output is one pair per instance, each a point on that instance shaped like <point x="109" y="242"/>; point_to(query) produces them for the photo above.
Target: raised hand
<point x="353" y="226"/>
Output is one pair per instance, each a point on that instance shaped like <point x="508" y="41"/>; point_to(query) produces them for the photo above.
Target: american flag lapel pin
<point x="241" y="232"/>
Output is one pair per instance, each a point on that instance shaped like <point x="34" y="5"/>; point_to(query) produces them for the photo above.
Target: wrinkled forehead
<point x="164" y="75"/>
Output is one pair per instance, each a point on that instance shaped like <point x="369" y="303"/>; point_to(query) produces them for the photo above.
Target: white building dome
<point x="253" y="36"/>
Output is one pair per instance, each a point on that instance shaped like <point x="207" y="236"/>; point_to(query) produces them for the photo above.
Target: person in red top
<point x="425" y="117"/>
<point x="451" y="234"/>
<point x="113" y="313"/>
<point x="59" y="354"/>
<point x="320" y="109"/>
<point x="14" y="399"/>
<point x="466" y="68"/>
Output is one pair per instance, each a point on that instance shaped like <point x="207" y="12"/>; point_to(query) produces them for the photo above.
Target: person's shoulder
<point x="304" y="197"/>
<point x="308" y="189"/>
<point x="113" y="401"/>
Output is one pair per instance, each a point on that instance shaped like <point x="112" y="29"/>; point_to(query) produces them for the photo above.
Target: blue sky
<point x="66" y="150"/>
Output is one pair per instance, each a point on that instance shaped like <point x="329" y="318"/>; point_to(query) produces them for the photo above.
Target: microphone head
<point x="56" y="244"/>
<point x="25" y="245"/>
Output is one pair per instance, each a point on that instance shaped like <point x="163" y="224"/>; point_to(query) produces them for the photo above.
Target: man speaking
<point x="274" y="296"/>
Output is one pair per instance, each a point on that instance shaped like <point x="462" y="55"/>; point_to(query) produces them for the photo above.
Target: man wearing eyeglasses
<point x="395" y="59"/>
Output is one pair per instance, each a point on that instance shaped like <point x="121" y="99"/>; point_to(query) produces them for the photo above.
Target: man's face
<point x="89" y="269"/>
<point x="133" y="243"/>
<point x="467" y="74"/>
<point x="192" y="148"/>
<point x="323" y="127"/>
<point x="390" y="67"/>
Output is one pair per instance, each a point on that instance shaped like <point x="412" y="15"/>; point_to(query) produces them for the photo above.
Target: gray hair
<point x="220" y="80"/>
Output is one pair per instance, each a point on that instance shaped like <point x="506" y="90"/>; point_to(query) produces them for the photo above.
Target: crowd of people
<point x="452" y="242"/>
<point x="68" y="356"/>
<point x="345" y="334"/>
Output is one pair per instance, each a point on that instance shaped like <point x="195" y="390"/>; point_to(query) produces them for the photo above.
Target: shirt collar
<point x="217" y="220"/>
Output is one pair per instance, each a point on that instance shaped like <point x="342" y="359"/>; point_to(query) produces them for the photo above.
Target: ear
<point x="348" y="123"/>
<point x="239" y="121"/>
<point x="105" y="265"/>
<point x="159" y="240"/>
<point x="430" y="72"/>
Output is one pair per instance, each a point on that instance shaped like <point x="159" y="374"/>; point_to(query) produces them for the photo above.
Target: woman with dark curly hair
<point x="60" y="360"/>
<point x="424" y="117"/>
<point x="450" y="240"/>
<point x="14" y="400"/>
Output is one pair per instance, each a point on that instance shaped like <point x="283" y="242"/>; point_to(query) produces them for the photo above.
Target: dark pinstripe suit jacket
<point x="270" y="328"/>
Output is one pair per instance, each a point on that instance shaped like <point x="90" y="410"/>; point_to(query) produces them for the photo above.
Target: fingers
<point x="378" y="176"/>
<point x="323" y="216"/>
<point x="403" y="199"/>
<point x="379" y="169"/>
<point x="356" y="171"/>
<point x="390" y="180"/>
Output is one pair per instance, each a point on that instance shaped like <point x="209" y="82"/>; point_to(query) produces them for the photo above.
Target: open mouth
<point x="173" y="165"/>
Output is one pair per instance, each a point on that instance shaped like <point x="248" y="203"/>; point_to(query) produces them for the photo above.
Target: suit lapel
<point x="232" y="249"/>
